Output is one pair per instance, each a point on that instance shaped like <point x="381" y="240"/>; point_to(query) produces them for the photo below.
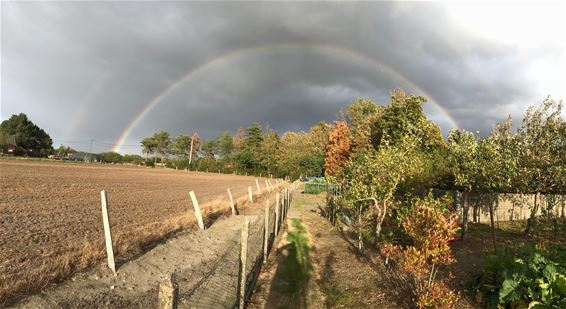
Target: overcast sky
<point x="85" y="71"/>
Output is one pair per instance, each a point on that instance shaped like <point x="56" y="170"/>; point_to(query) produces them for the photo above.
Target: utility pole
<point x="91" y="141"/>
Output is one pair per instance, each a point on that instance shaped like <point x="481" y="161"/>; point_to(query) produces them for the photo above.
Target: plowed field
<point x="51" y="222"/>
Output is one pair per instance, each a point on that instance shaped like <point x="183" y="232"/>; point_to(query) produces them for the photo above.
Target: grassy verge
<point x="296" y="266"/>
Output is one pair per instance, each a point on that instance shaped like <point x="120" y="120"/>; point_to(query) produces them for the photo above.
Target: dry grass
<point x="67" y="260"/>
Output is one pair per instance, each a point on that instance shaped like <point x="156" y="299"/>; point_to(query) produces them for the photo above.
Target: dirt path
<point x="312" y="266"/>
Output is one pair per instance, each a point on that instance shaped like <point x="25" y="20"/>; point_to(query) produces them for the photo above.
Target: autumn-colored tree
<point x="238" y="137"/>
<point x="338" y="149"/>
<point x="196" y="142"/>
<point x="431" y="226"/>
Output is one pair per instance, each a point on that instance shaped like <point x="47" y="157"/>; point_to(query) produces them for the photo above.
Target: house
<point x="11" y="145"/>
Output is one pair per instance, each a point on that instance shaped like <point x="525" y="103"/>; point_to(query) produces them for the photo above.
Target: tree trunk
<point x="532" y="221"/>
<point x="465" y="210"/>
<point x="360" y="240"/>
<point x="491" y="211"/>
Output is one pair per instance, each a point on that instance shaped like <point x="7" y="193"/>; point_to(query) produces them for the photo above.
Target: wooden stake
<point x="197" y="210"/>
<point x="267" y="186"/>
<point x="266" y="231"/>
<point x="277" y="214"/>
<point x="250" y="194"/>
<point x="243" y="261"/>
<point x="168" y="293"/>
<point x="107" y="230"/>
<point x="258" y="189"/>
<point x="231" y="203"/>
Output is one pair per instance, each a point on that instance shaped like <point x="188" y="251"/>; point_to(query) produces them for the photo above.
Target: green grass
<point x="336" y="297"/>
<point x="299" y="203"/>
<point x="296" y="268"/>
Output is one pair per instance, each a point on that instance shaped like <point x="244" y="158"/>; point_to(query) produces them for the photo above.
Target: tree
<point x="374" y="177"/>
<point x="338" y="150"/>
<point x="405" y="116"/>
<point x="64" y="151"/>
<point x="249" y="149"/>
<point x="195" y="145"/>
<point x="465" y="153"/>
<point x="269" y="149"/>
<point x="148" y="146"/>
<point x="162" y="141"/>
<point x="30" y="139"/>
<point x="238" y="137"/>
<point x="208" y="148"/>
<point x="541" y="148"/>
<point x="111" y="157"/>
<point x="360" y="117"/>
<point x="181" y="145"/>
<point x="225" y="144"/>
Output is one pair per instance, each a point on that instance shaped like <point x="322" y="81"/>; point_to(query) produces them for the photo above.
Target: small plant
<point x="430" y="227"/>
<point x="529" y="279"/>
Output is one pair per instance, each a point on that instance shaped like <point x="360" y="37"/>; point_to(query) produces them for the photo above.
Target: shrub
<point x="430" y="227"/>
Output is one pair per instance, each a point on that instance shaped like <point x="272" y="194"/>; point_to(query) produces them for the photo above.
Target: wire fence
<point x="221" y="287"/>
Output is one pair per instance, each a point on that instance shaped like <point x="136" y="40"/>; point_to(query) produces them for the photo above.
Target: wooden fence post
<point x="243" y="261"/>
<point x="277" y="215"/>
<point x="107" y="231"/>
<point x="267" y="186"/>
<point x="284" y="205"/>
<point x="168" y="293"/>
<point x="197" y="210"/>
<point x="250" y="194"/>
<point x="266" y="232"/>
<point x="258" y="189"/>
<point x="231" y="202"/>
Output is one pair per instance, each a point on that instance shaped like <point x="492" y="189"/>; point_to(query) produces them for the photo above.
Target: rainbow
<point x="328" y="49"/>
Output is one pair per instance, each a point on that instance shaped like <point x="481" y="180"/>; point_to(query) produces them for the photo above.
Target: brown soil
<point x="51" y="223"/>
<point x="340" y="278"/>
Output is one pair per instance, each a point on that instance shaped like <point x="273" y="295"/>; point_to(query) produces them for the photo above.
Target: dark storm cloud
<point x="85" y="70"/>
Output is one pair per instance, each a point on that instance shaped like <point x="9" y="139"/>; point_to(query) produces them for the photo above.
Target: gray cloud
<point x="85" y="70"/>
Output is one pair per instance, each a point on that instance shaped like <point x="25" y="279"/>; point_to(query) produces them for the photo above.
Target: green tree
<point x="162" y="143"/>
<point x="405" y="116"/>
<point x="541" y="148"/>
<point x="30" y="139"/>
<point x="465" y="155"/>
<point x="111" y="157"/>
<point x="361" y="117"/>
<point x="181" y="145"/>
<point x="268" y="151"/>
<point x="149" y="146"/>
<point x="209" y="148"/>
<point x="249" y="150"/>
<point x="374" y="177"/>
<point x="225" y="144"/>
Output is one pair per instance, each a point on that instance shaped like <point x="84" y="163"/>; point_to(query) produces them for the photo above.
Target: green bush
<point x="149" y="163"/>
<point x="529" y="279"/>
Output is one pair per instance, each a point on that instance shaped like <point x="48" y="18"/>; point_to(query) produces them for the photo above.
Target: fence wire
<point x="219" y="288"/>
